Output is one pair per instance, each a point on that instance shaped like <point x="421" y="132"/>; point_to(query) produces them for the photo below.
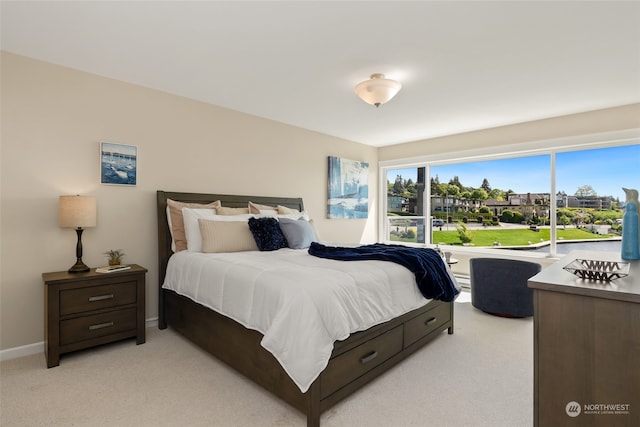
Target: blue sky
<point x="607" y="170"/>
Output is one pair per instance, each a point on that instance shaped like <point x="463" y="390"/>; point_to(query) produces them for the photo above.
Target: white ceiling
<point x="463" y="65"/>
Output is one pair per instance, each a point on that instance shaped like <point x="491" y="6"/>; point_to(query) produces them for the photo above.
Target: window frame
<point x="549" y="147"/>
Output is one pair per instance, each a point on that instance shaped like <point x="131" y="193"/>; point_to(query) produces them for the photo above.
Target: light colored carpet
<point x="482" y="375"/>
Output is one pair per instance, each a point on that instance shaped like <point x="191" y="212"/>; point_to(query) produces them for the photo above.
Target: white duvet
<point x="300" y="303"/>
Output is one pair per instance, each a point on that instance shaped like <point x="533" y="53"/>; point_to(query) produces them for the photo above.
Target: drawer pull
<point x="100" y="326"/>
<point x="369" y="357"/>
<point x="100" y="297"/>
<point x="431" y="321"/>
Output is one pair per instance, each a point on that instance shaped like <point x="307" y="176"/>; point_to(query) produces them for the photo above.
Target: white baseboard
<point x="35" y="348"/>
<point x="25" y="350"/>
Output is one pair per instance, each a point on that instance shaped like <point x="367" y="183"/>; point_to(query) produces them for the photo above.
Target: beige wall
<point x="53" y="119"/>
<point x="606" y="120"/>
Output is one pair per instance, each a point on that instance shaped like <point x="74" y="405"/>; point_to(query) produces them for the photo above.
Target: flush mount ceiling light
<point x="377" y="90"/>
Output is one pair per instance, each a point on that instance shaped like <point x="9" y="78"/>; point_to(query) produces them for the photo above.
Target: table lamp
<point x="77" y="212"/>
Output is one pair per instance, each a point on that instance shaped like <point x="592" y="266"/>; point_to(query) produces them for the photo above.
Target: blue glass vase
<point x="630" y="234"/>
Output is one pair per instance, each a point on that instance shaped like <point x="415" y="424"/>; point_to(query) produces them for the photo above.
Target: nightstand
<point x="88" y="309"/>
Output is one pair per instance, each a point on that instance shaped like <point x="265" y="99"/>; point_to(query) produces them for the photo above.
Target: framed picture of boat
<point x="348" y="189"/>
<point x="118" y="164"/>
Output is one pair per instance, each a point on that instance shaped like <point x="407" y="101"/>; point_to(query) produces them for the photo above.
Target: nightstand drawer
<point x="96" y="297"/>
<point x="98" y="325"/>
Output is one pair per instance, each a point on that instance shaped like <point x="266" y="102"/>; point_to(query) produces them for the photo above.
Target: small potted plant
<point x="115" y="256"/>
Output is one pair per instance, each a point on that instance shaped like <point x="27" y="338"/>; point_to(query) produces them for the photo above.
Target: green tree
<point x="453" y="190"/>
<point x="512" y="217"/>
<point x="464" y="235"/>
<point x="479" y="194"/>
<point x="485" y="185"/>
<point x="398" y="187"/>
<point x="456" y="181"/>
<point x="586" y="191"/>
<point x="435" y="186"/>
<point x="497" y="194"/>
<point x="569" y="213"/>
<point x="410" y="188"/>
<point x="564" y="220"/>
<point x="466" y="194"/>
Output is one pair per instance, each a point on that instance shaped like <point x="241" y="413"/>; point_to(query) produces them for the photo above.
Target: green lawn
<point x="513" y="237"/>
<point x="508" y="237"/>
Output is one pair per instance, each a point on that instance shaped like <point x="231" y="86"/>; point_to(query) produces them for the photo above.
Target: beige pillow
<point x="231" y="211"/>
<point x="226" y="236"/>
<point x="283" y="210"/>
<point x="255" y="208"/>
<point x="176" y="224"/>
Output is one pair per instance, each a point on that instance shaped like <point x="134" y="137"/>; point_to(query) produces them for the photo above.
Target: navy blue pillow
<point x="267" y="234"/>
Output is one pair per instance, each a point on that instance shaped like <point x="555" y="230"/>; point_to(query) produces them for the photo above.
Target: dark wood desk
<point x="586" y="347"/>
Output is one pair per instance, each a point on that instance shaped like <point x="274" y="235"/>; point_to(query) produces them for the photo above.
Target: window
<point x="405" y="205"/>
<point x="533" y="200"/>
<point x="589" y="195"/>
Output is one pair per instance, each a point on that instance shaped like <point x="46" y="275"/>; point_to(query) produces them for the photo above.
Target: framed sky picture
<point x="348" y="189"/>
<point x="118" y="164"/>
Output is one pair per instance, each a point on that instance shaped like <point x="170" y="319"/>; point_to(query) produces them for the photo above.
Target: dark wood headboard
<point x="229" y="200"/>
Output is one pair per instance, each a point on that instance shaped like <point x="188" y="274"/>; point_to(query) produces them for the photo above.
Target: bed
<point x="354" y="361"/>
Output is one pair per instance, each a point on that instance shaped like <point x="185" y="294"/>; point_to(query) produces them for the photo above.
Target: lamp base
<point x="79" y="267"/>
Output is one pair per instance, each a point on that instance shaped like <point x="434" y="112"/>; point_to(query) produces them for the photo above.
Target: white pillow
<point x="268" y="213"/>
<point x="173" y="240"/>
<point x="192" y="228"/>
<point x="233" y="218"/>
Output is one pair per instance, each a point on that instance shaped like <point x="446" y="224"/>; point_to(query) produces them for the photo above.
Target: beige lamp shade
<point x="377" y="90"/>
<point x="77" y="211"/>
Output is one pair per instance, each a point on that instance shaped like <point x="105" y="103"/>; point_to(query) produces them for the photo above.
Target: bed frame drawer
<point x="426" y="323"/>
<point x="350" y="365"/>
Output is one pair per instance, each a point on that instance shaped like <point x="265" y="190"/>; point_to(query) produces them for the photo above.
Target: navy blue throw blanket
<point x="432" y="277"/>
